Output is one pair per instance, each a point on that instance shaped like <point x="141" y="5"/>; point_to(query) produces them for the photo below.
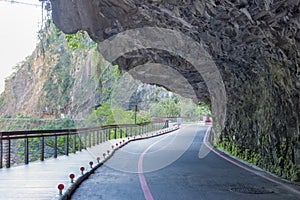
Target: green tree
<point x="167" y="107"/>
<point x="101" y="116"/>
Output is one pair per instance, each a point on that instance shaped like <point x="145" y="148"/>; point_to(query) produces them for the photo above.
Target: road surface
<point x="171" y="167"/>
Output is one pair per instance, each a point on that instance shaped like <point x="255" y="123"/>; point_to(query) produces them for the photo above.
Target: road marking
<point x="143" y="182"/>
<point x="246" y="168"/>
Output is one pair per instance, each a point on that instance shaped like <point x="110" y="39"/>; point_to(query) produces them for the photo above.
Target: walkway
<point x="172" y="166"/>
<point x="39" y="180"/>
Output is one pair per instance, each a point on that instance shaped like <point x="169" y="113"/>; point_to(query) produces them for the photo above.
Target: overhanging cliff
<point x="244" y="60"/>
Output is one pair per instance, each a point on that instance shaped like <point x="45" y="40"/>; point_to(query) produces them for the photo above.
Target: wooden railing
<point x="21" y="147"/>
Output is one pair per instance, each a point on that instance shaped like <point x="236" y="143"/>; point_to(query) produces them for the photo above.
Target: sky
<point x="19" y="25"/>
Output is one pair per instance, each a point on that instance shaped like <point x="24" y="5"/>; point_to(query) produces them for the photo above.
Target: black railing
<point x="21" y="147"/>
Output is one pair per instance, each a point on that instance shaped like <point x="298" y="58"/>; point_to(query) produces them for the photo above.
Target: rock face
<point x="51" y="83"/>
<point x="66" y="77"/>
<point x="254" y="44"/>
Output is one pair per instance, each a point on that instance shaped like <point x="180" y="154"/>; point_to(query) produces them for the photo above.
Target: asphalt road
<point x="171" y="167"/>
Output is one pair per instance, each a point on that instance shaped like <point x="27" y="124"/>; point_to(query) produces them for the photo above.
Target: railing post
<point x="107" y="134"/>
<point x="85" y="141"/>
<point x="90" y="139"/>
<point x="97" y="132"/>
<point x="126" y="134"/>
<point x="55" y="146"/>
<point x="67" y="145"/>
<point x="115" y="133"/>
<point x="80" y="143"/>
<point x="42" y="146"/>
<point x="101" y="136"/>
<point x="146" y="128"/>
<point x="104" y="135"/>
<point x="94" y="138"/>
<point x="1" y="152"/>
<point x="121" y="133"/>
<point x="26" y="151"/>
<point x="8" y="154"/>
<point x="74" y="143"/>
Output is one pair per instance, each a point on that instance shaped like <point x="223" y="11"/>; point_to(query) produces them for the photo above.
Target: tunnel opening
<point x="132" y="100"/>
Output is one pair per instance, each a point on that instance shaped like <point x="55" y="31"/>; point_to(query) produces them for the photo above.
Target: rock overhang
<point x="254" y="46"/>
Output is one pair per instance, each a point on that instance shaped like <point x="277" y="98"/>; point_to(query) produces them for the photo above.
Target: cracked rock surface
<point x="255" y="46"/>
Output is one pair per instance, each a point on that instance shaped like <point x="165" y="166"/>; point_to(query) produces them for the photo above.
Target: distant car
<point x="208" y="122"/>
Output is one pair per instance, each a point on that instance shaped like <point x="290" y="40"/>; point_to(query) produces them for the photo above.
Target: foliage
<point x="29" y="123"/>
<point x="101" y="116"/>
<point x="109" y="78"/>
<point x="105" y="115"/>
<point x="283" y="166"/>
<point x="75" y="41"/>
<point x="60" y="82"/>
<point x="177" y="106"/>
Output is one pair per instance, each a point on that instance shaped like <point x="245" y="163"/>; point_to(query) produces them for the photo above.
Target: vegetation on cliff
<point x="66" y="83"/>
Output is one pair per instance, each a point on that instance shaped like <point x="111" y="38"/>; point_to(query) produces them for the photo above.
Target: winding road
<point x="179" y="165"/>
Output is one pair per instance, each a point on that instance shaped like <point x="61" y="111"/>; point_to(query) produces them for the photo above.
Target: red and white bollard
<point x="98" y="159"/>
<point x="120" y="142"/>
<point x="104" y="155"/>
<point x="117" y="145"/>
<point x="112" y="146"/>
<point x="82" y="170"/>
<point x="72" y="176"/>
<point x="108" y="152"/>
<point x="91" y="164"/>
<point x="60" y="188"/>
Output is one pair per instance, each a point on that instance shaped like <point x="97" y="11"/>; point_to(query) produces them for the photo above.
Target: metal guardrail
<point x="51" y="143"/>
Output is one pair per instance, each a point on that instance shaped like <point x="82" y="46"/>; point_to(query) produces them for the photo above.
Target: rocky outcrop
<point x="66" y="77"/>
<point x="50" y="82"/>
<point x="254" y="46"/>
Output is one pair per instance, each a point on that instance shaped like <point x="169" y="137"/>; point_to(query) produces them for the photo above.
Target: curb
<point x="259" y="171"/>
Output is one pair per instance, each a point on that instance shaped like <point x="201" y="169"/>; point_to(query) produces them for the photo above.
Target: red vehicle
<point x="208" y="121"/>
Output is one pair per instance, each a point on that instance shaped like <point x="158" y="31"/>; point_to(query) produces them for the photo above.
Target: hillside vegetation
<point x="66" y="83"/>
